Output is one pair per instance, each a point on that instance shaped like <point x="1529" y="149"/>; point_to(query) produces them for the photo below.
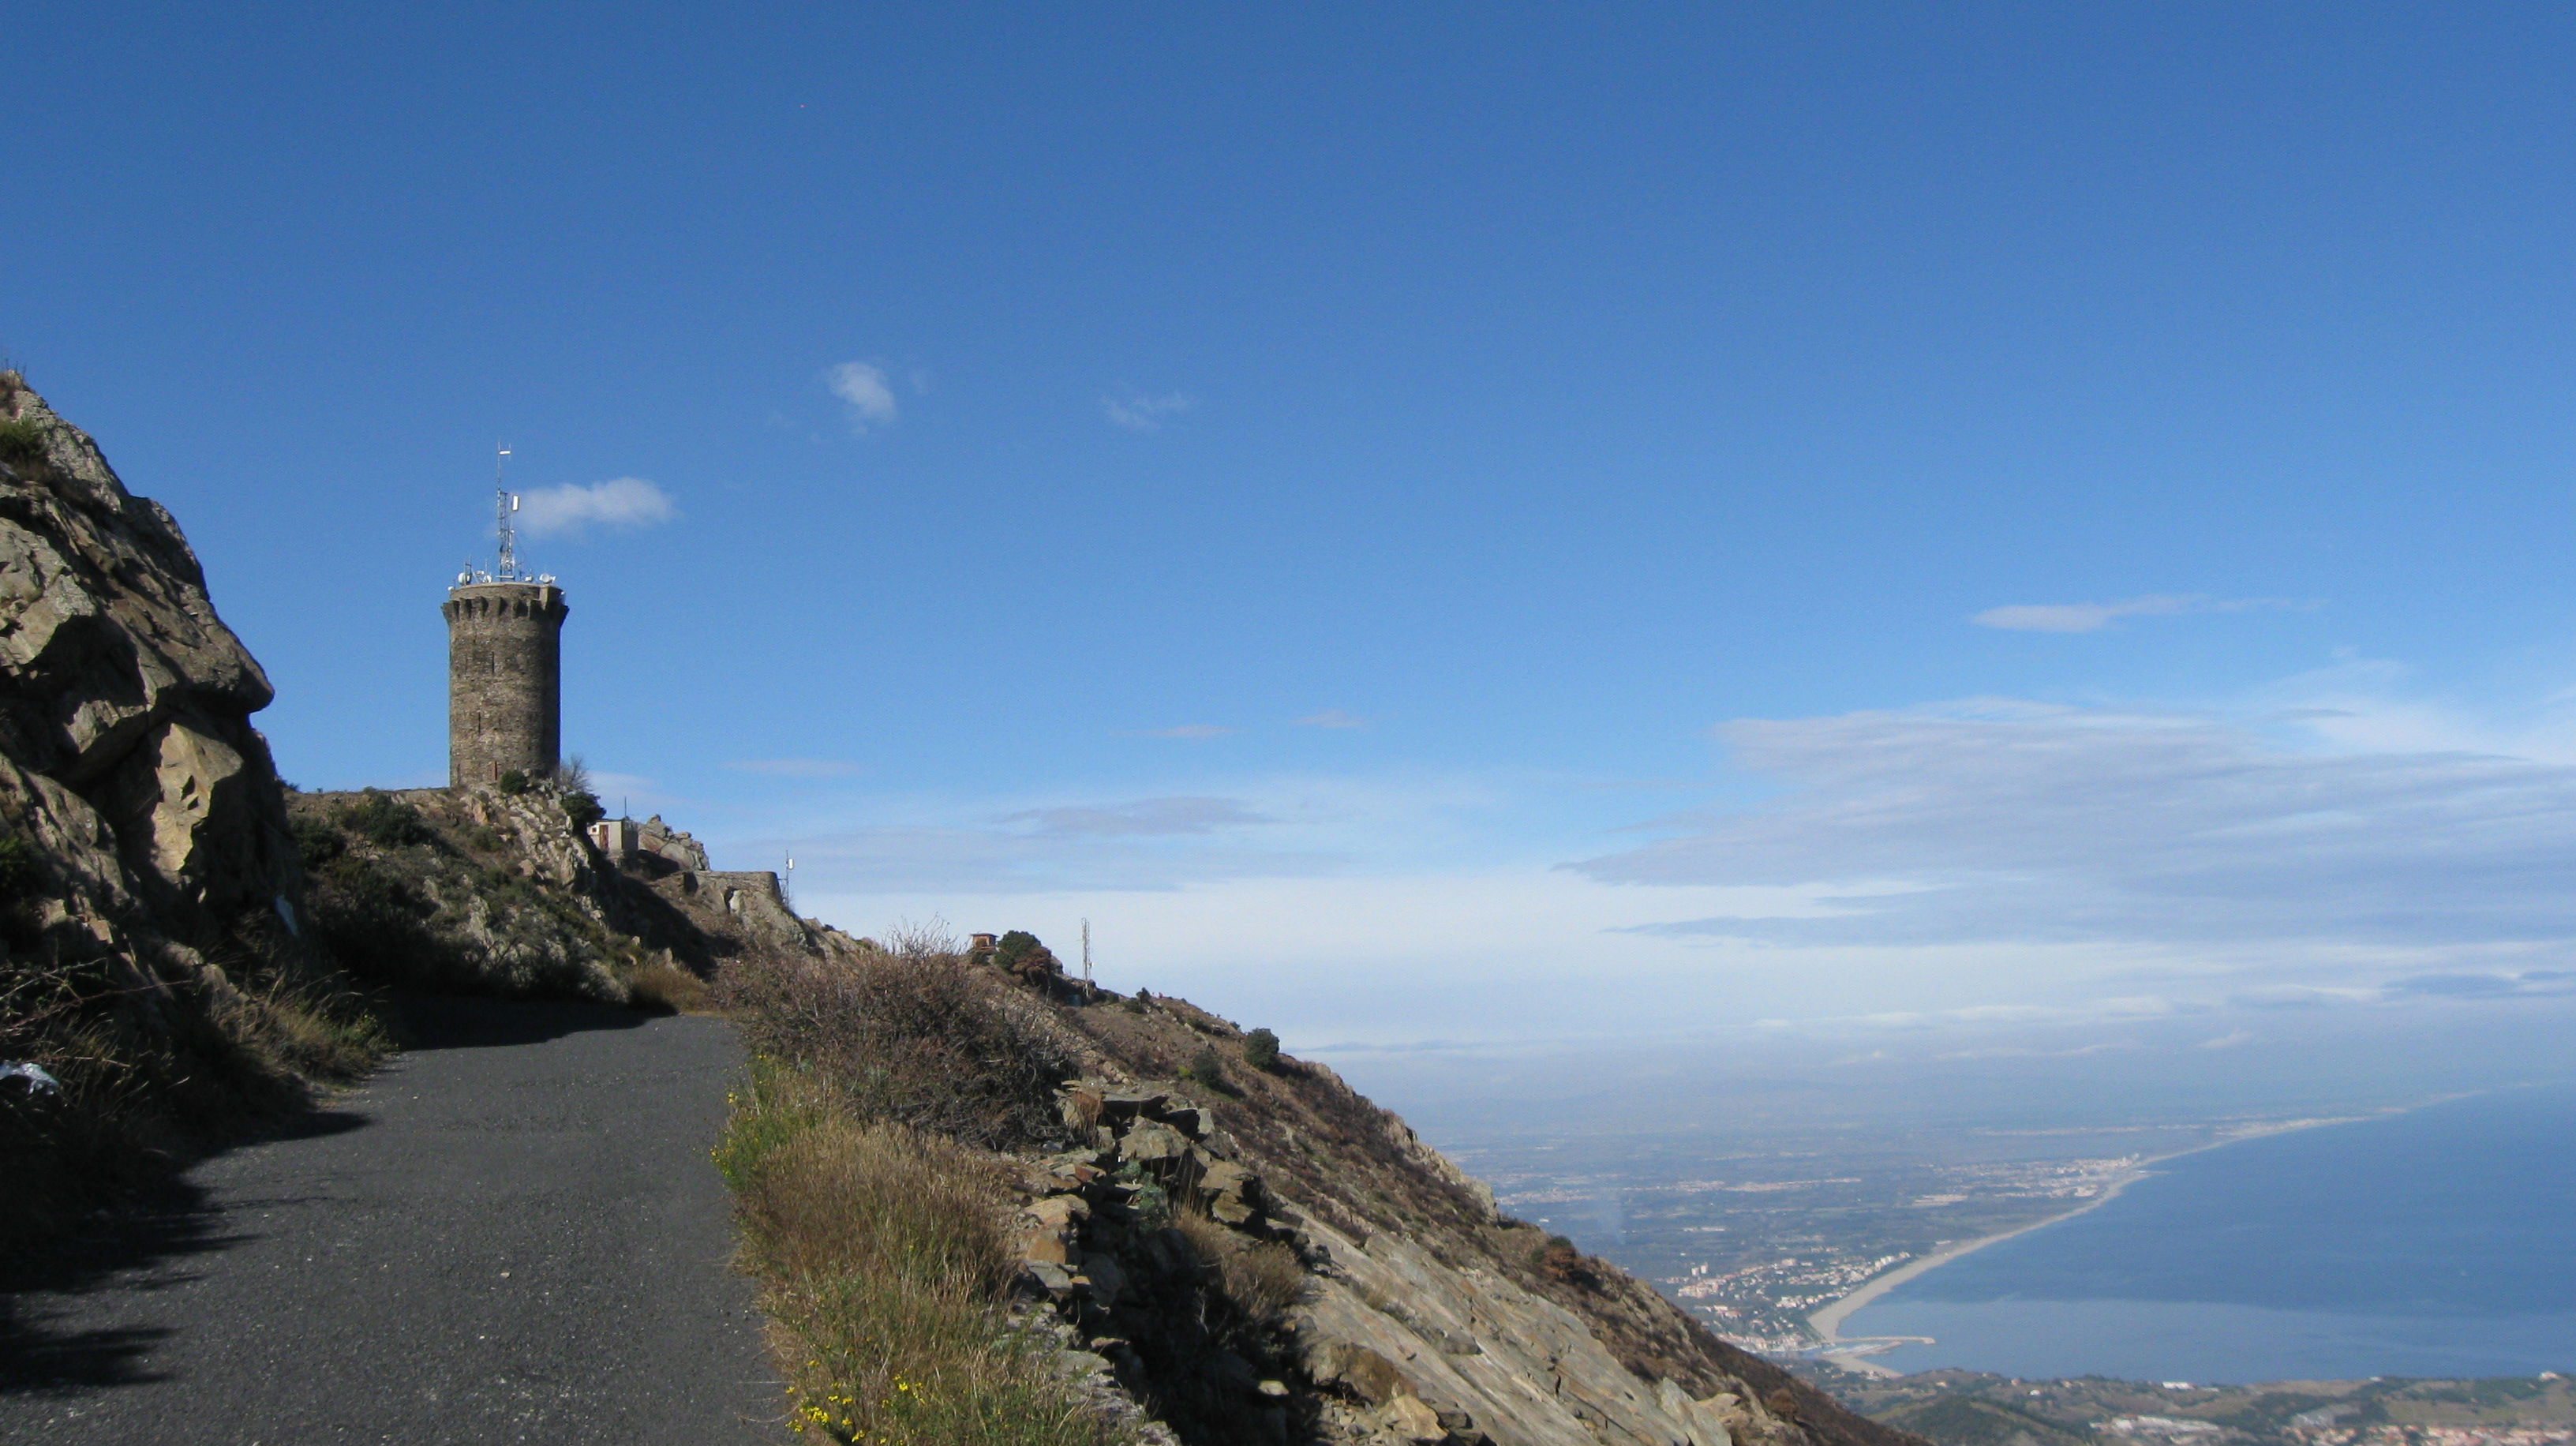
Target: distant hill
<point x="1965" y="1421"/>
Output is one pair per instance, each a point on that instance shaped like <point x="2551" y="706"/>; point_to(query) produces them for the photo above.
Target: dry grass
<point x="923" y="1039"/>
<point x="1261" y="1279"/>
<point x="886" y="1274"/>
<point x="658" y="986"/>
<point x="150" y="1076"/>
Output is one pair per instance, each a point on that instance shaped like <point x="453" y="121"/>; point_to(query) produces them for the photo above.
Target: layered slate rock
<point x="1415" y="1310"/>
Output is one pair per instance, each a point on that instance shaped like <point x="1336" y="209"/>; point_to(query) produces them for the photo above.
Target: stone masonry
<point x="504" y="680"/>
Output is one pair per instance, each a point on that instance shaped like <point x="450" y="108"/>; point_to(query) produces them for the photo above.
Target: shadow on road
<point x="446" y="1021"/>
<point x="171" y="1223"/>
<point x="177" y="1220"/>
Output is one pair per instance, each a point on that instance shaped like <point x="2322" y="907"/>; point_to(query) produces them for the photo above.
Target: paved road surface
<point x="512" y="1234"/>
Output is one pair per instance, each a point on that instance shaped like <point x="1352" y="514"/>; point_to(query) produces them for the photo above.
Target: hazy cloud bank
<point x="1144" y="817"/>
<point x="796" y="767"/>
<point x="2093" y="617"/>
<point x="2007" y="821"/>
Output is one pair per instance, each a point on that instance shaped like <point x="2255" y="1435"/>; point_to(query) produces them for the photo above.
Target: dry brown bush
<point x="1261" y="1279"/>
<point x="919" y="1038"/>
<point x="662" y="987"/>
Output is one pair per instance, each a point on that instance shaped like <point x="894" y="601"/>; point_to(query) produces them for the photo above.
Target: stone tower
<point x="504" y="679"/>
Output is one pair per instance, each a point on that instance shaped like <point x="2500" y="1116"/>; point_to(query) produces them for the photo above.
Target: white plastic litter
<point x="38" y="1082"/>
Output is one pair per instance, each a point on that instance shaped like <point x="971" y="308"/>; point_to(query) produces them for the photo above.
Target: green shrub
<point x="1148" y="1199"/>
<point x="385" y="821"/>
<point x="1206" y="1071"/>
<point x="1558" y="1259"/>
<point x="22" y="444"/>
<point x="1261" y="1050"/>
<point x="513" y="782"/>
<point x="583" y="808"/>
<point x="318" y="842"/>
<point x="17" y="868"/>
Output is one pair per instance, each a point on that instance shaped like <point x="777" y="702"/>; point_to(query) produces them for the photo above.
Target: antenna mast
<point x="503" y="504"/>
<point x="1086" y="951"/>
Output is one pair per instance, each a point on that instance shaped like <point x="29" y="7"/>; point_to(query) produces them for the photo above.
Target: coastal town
<point x="1970" y="1408"/>
<point x="1759" y="1257"/>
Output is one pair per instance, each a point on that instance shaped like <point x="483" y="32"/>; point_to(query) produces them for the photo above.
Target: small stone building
<point x="615" y="837"/>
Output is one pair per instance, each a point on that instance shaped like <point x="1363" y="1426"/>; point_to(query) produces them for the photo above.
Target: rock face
<point x="1366" y="1291"/>
<point x="483" y="892"/>
<point x="127" y="757"/>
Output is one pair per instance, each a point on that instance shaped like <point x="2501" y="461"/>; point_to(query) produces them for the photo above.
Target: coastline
<point x="1827" y="1320"/>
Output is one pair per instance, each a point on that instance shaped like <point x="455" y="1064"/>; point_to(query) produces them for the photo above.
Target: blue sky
<point x="1419" y="521"/>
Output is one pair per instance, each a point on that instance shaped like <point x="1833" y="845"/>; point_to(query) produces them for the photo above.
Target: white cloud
<point x="1341" y="954"/>
<point x="570" y="509"/>
<point x="1140" y="413"/>
<point x="1332" y="718"/>
<point x="1959" y="875"/>
<point x="1150" y="844"/>
<point x="1145" y="816"/>
<point x="2031" y="823"/>
<point x="2093" y="617"/>
<point x="796" y="767"/>
<point x="864" y="389"/>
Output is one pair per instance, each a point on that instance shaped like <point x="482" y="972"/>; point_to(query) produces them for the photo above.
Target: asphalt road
<point x="511" y="1234"/>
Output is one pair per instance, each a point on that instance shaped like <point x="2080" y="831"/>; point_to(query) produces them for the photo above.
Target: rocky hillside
<point x="486" y="892"/>
<point x="1231" y="1245"/>
<point x="127" y="758"/>
<point x="1425" y="1314"/>
<point x="150" y="965"/>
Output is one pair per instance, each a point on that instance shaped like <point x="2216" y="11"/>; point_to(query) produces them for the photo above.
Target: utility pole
<point x="1086" y="951"/>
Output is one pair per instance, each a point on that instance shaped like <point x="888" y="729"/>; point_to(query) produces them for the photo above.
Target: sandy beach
<point x="1827" y="1321"/>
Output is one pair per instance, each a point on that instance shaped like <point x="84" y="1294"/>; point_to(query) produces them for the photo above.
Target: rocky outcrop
<point x="1386" y="1341"/>
<point x="127" y="757"/>
<point x="151" y="960"/>
<point x="1257" y="1253"/>
<point x="489" y="892"/>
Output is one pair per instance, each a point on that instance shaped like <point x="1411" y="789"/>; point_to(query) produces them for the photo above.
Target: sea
<point x="2438" y="1242"/>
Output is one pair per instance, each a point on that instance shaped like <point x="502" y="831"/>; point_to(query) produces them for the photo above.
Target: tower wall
<point x="504" y="680"/>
